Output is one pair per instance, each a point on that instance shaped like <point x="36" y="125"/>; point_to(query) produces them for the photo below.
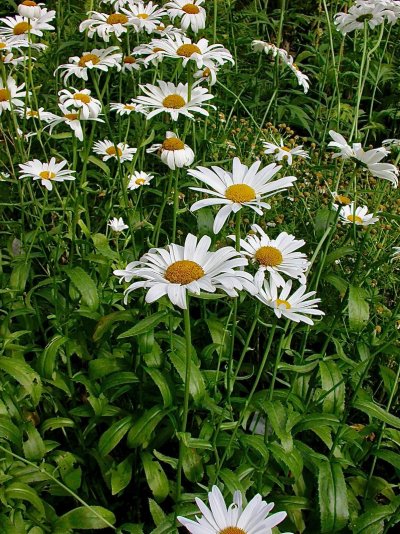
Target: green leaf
<point x="24" y="375"/>
<point x="9" y="431"/>
<point x="338" y="253"/>
<point x="23" y="492"/>
<point x="105" y="168"/>
<point x="121" y="475"/>
<point x="19" y="276"/>
<point x="106" y="322"/>
<point x="113" y="435"/>
<point x="34" y="448"/>
<point x="332" y="381"/>
<point x="373" y="410"/>
<point x="156" y="512"/>
<point x="47" y="359"/>
<point x="156" y="477"/>
<point x="373" y="521"/>
<point x="161" y="382"/>
<point x="277" y="417"/>
<point x="86" y="287"/>
<point x="142" y="429"/>
<point x="83" y="518"/>
<point x="358" y="308"/>
<point x="196" y="387"/>
<point x="332" y="492"/>
<point x="101" y="244"/>
<point x="57" y="422"/>
<point x="192" y="465"/>
<point x="391" y="457"/>
<point x="145" y="324"/>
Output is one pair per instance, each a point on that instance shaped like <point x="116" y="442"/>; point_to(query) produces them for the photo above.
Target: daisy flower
<point x="144" y="17"/>
<point x="391" y="142"/>
<point x="108" y="149"/>
<point x="154" y="55"/>
<point x="283" y="152"/>
<point x="208" y="74"/>
<point x="375" y="13"/>
<point x="46" y="172"/>
<point x="105" y="25"/>
<point x="345" y="150"/>
<point x="30" y="9"/>
<point x="244" y="186"/>
<point x="162" y="30"/>
<point x="10" y="59"/>
<point x="127" y="108"/>
<point x="117" y="225"/>
<point x="190" y="268"/>
<point x="295" y="307"/>
<point x="40" y="114"/>
<point x="173" y="99"/>
<point x="191" y="13"/>
<point x="10" y="94"/>
<point x="274" y="256"/>
<point x="71" y="118"/>
<point x="269" y="48"/>
<point x="352" y="215"/>
<point x="181" y="47"/>
<point x="130" y="63"/>
<point x="138" y="179"/>
<point x="173" y="152"/>
<point x="220" y="519"/>
<point x="82" y="100"/>
<point x="340" y="199"/>
<point x="21" y="27"/>
<point x="302" y="79"/>
<point x="101" y="59"/>
<point x="7" y="45"/>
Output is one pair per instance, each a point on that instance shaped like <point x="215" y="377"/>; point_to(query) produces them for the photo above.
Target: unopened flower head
<point x="274" y="257"/>
<point x="297" y="306"/>
<point x="220" y="519"/>
<point x="108" y="150"/>
<point x="173" y="152"/>
<point x="30" y="9"/>
<point x="47" y="172"/>
<point x="100" y="59"/>
<point x="190" y="12"/>
<point x="173" y="99"/>
<point x="138" y="179"/>
<point x="244" y="186"/>
<point x="284" y="153"/>
<point x="177" y="270"/>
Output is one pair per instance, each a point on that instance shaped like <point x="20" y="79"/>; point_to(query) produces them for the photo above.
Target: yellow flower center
<point x="29" y="3"/>
<point x="47" y="175"/>
<point x="82" y="98"/>
<point x="269" y="256"/>
<point x="129" y="106"/>
<point x="187" y="50"/>
<point x="354" y="219"/>
<point x="173" y="102"/>
<point x="32" y="113"/>
<point x="232" y="530"/>
<point x="88" y="57"/>
<point x="285" y="148"/>
<point x="71" y="116"/>
<point x="129" y="60"/>
<point x="2" y="45"/>
<point x="157" y="49"/>
<point x="191" y="9"/>
<point x="173" y="143"/>
<point x="112" y="151"/>
<point x="206" y="72"/>
<point x="143" y="16"/>
<point x="240" y="193"/>
<point x="343" y="200"/>
<point x="161" y="27"/>
<point x="4" y="95"/>
<point x="140" y="181"/>
<point x="285" y="303"/>
<point x="117" y="18"/>
<point x="183" y="272"/>
<point x="21" y="27"/>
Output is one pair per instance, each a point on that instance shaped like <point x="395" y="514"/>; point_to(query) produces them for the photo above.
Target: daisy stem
<point x="176" y="204"/>
<point x="354" y="129"/>
<point x="188" y="340"/>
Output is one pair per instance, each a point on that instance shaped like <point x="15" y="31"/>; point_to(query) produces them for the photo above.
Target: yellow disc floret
<point x="4" y="95"/>
<point x="21" y="28"/>
<point x="88" y="57"/>
<point x="117" y="18"/>
<point x="143" y="16"/>
<point x="183" y="272"/>
<point x="82" y="97"/>
<point x="29" y="3"/>
<point x="173" y="143"/>
<point x="112" y="151"/>
<point x="187" y="50"/>
<point x="129" y="60"/>
<point x="354" y="219"/>
<point x="269" y="256"/>
<point x="173" y="102"/>
<point x="71" y="116"/>
<point x="342" y="199"/>
<point x="240" y="193"/>
<point x="47" y="175"/>
<point x="232" y="530"/>
<point x="191" y="9"/>
<point x="285" y="303"/>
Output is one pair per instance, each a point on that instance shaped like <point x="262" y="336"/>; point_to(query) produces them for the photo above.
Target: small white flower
<point x="127" y="108"/>
<point x="173" y="99"/>
<point x="170" y="30"/>
<point x="46" y="172"/>
<point x="101" y="59"/>
<point x="283" y="152"/>
<point x="11" y="94"/>
<point x="190" y="268"/>
<point x="374" y="13"/>
<point x="18" y="27"/>
<point x="105" y="25"/>
<point x="274" y="256"/>
<point x="295" y="307"/>
<point x="342" y="200"/>
<point x="173" y="152"/>
<point x="220" y="519"/>
<point x="72" y="118"/>
<point x="302" y="79"/>
<point x="40" y="114"/>
<point x="244" y="186"/>
<point x="391" y="142"/>
<point x="30" y="9"/>
<point x="190" y="12"/>
<point x="117" y="225"/>
<point x="138" y="179"/>
<point x="130" y="63"/>
<point x="82" y="100"/>
<point x="107" y="149"/>
<point x="143" y="17"/>
<point x="154" y="55"/>
<point x="209" y="74"/>
<point x="352" y="215"/>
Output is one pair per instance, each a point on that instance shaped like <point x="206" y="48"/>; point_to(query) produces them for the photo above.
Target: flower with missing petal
<point x="274" y="256"/>
<point x="46" y="172"/>
<point x="117" y="225"/>
<point x="190" y="12"/>
<point x="127" y="108"/>
<point x="282" y="152"/>
<point x="177" y="270"/>
<point x="130" y="63"/>
<point x="72" y="118"/>
<point x="355" y="215"/>
<point x="81" y="100"/>
<point x="220" y="519"/>
<point x="295" y="307"/>
<point x="39" y="114"/>
<point x="173" y="99"/>
<point x="138" y="179"/>
<point x="105" y="25"/>
<point x="108" y="150"/>
<point x="98" y="59"/>
<point x="173" y="152"/>
<point x="244" y="186"/>
<point x="10" y="94"/>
